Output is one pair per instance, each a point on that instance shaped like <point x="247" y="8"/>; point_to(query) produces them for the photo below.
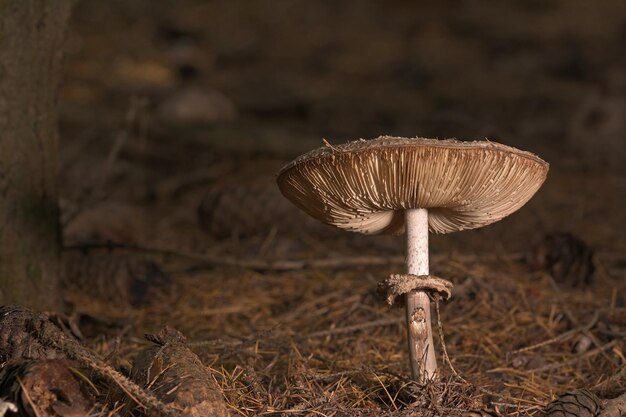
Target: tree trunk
<point x="31" y="45"/>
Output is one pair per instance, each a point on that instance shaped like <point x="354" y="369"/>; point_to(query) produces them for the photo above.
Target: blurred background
<point x="164" y="101"/>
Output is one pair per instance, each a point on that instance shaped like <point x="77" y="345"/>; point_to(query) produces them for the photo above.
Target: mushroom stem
<point x="419" y="329"/>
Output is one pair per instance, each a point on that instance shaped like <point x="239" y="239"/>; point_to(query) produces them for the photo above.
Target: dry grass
<point x="320" y="342"/>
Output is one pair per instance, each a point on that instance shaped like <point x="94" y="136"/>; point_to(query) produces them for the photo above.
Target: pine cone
<point x="177" y="376"/>
<point x="579" y="403"/>
<point x="253" y="210"/>
<point x="568" y="259"/>
<point x="117" y="278"/>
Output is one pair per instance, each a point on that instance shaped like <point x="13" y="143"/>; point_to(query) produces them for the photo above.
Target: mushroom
<point x="389" y="184"/>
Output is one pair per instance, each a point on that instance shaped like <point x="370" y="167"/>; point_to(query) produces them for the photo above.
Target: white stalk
<point x="419" y="329"/>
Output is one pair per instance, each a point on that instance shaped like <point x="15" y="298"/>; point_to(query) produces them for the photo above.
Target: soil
<point x="176" y="115"/>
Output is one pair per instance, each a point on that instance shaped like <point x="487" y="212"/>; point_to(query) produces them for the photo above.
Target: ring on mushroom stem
<point x="388" y="185"/>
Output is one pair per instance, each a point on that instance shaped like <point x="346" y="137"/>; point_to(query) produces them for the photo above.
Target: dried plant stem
<point x="50" y="335"/>
<point x="278" y="265"/>
<point x="577" y="359"/>
<point x="574" y="320"/>
<point x="614" y="382"/>
<point x="356" y="327"/>
<point x="446" y="357"/>
<point x="33" y="406"/>
<point x="419" y="328"/>
<point x="562" y="336"/>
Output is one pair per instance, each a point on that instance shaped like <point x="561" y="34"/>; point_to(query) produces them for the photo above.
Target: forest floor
<point x="177" y="115"/>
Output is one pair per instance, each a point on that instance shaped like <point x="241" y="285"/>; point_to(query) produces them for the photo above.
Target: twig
<point x="613" y="382"/>
<point x="322" y="377"/>
<point x="393" y="403"/>
<point x="447" y="358"/>
<point x="443" y="342"/>
<point x="29" y="399"/>
<point x="93" y="193"/>
<point x="261" y="264"/>
<point x="132" y="119"/>
<point x="234" y="347"/>
<point x="258" y="264"/>
<point x="574" y="320"/>
<point x="566" y="310"/>
<point x="577" y="359"/>
<point x="356" y="327"/>
<point x="562" y="336"/>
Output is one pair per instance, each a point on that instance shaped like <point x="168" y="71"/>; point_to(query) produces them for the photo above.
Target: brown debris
<point x="481" y="413"/>
<point x="117" y="278"/>
<point x="568" y="259"/>
<point x="320" y="345"/>
<point x="16" y="341"/>
<point x="177" y="376"/>
<point x="40" y="378"/>
<point x="50" y="335"/>
<point x="615" y="407"/>
<point x="450" y="397"/>
<point x="47" y="388"/>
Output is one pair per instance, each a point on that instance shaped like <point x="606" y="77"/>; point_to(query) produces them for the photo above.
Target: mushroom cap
<point x="365" y="185"/>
